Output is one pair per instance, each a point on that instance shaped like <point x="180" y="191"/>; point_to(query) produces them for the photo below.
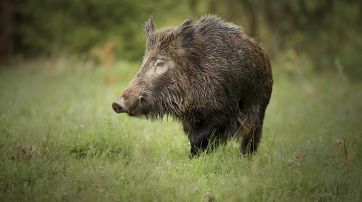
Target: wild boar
<point x="207" y="74"/>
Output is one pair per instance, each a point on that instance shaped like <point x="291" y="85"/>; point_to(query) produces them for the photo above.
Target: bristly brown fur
<point x="220" y="87"/>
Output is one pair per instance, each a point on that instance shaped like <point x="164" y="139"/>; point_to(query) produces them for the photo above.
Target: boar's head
<point x="162" y="84"/>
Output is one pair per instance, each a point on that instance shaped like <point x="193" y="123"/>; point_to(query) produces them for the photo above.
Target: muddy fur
<point x="217" y="82"/>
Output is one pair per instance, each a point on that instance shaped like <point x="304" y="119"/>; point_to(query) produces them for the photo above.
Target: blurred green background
<point x="325" y="32"/>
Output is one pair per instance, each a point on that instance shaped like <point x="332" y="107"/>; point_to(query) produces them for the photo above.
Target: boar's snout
<point x="134" y="103"/>
<point x="119" y="106"/>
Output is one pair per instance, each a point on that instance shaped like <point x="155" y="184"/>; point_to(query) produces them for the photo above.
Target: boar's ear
<point x="186" y="29"/>
<point x="149" y="27"/>
<point x="186" y="34"/>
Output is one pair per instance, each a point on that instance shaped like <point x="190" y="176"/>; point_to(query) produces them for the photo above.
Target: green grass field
<point x="61" y="141"/>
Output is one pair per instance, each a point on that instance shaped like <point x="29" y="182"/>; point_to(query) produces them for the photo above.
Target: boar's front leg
<point x="199" y="141"/>
<point x="204" y="138"/>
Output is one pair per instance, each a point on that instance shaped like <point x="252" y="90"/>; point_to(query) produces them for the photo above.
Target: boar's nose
<point x="118" y="107"/>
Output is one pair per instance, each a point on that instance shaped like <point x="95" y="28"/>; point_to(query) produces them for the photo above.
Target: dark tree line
<point x="326" y="30"/>
<point x="6" y="26"/>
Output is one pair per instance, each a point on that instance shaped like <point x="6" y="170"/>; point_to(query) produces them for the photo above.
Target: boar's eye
<point x="157" y="68"/>
<point x="160" y="63"/>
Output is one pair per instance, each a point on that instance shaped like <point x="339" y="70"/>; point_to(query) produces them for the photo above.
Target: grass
<point x="61" y="141"/>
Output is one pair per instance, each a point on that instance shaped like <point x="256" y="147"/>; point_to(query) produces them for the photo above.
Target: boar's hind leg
<point x="252" y="129"/>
